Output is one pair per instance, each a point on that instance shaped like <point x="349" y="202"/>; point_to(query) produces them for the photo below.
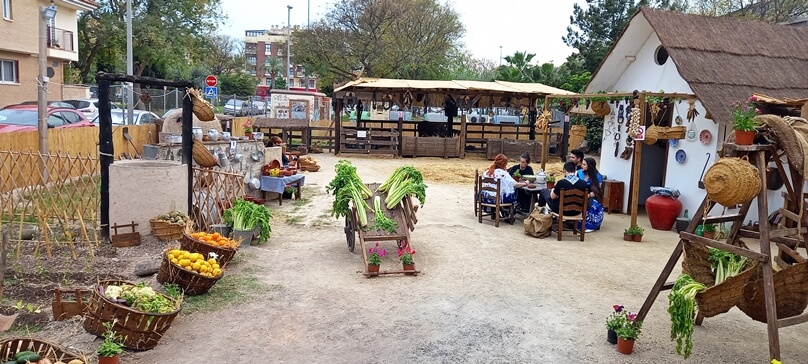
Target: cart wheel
<point x="350" y="235"/>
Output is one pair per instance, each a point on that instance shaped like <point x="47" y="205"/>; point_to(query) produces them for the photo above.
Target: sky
<point x="535" y="26"/>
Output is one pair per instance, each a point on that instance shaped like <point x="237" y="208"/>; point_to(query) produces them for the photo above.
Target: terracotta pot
<point x="662" y="211"/>
<point x="625" y="346"/>
<point x="708" y="235"/>
<point x="745" y="137"/>
<point x="373" y="268"/>
<point x="636" y="237"/>
<point x="409" y="267"/>
<point x="249" y="136"/>
<point x="628" y="237"/>
<point x="550" y="184"/>
<point x="108" y="360"/>
<point x="611" y="336"/>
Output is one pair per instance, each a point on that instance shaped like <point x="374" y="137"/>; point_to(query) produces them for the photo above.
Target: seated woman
<point x="507" y="184"/>
<point x="594" y="180"/>
<point x="524" y="168"/>
<point x="276" y="141"/>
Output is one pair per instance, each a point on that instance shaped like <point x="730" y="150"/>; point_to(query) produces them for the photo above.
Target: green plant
<point x="635" y="230"/>
<point x="111" y="346"/>
<point x="617" y="318"/>
<point x="375" y="255"/>
<point x="682" y="306"/>
<point x="246" y="215"/>
<point x="725" y="264"/>
<point x="405" y="255"/>
<point x="550" y="178"/>
<point x="517" y="174"/>
<point x="708" y="228"/>
<point x="289" y="190"/>
<point x="247" y="126"/>
<point x="744" y="113"/>
<point x="631" y="328"/>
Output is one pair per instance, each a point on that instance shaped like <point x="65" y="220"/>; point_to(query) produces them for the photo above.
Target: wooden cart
<point x="403" y="214"/>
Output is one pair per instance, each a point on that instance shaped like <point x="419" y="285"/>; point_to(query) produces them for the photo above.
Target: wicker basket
<point x="202" y="156"/>
<point x="193" y="245"/>
<point x="651" y="135"/>
<point x="732" y="181"/>
<point x="191" y="283"/>
<point x="790" y="292"/>
<point x="166" y="231"/>
<point x="601" y="108"/>
<point x="10" y="347"/>
<point x="140" y="330"/>
<point x="673" y="132"/>
<point x="202" y="109"/>
<point x="716" y="299"/>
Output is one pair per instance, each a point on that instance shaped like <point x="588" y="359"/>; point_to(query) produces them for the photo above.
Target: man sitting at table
<point x="550" y="198"/>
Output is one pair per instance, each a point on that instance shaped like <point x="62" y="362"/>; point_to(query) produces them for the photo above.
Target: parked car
<point x="236" y="107"/>
<point x="26" y="118"/>
<point x="88" y="106"/>
<point x="141" y="117"/>
<point x="28" y="104"/>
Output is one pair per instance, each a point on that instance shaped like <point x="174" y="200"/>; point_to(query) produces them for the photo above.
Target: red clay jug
<point x="662" y="211"/>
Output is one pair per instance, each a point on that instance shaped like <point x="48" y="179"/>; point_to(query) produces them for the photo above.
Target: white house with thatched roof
<point x="720" y="61"/>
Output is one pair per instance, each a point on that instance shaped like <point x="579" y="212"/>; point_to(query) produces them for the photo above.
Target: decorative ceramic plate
<point x="678" y="120"/>
<point x="705" y="136"/>
<point x="673" y="143"/>
<point x="681" y="156"/>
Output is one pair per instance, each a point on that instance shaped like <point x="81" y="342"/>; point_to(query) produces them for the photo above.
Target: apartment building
<point x="260" y="45"/>
<point x="19" y="46"/>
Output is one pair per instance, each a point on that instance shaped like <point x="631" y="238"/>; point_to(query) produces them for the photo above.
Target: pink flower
<point x="753" y="98"/>
<point x="618" y="308"/>
<point x="757" y="111"/>
<point x="632" y="316"/>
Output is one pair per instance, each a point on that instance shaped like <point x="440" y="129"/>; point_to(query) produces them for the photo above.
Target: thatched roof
<point x="281" y="123"/>
<point x="457" y="86"/>
<point x="726" y="59"/>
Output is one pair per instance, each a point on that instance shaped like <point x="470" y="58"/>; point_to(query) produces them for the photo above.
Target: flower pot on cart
<point x="745" y="137"/>
<point x="625" y="346"/>
<point x="108" y="359"/>
<point x="409" y="267"/>
<point x="662" y="211"/>
<point x="373" y="268"/>
<point x="611" y="336"/>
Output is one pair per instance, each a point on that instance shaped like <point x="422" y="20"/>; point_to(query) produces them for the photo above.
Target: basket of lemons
<point x="192" y="272"/>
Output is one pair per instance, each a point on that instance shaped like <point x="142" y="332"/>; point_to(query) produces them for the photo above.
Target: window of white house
<point x="311" y="83"/>
<point x="268" y="81"/>
<point x="7" y="9"/>
<point x="9" y="71"/>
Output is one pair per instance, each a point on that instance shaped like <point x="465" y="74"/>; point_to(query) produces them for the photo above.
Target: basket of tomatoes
<point x="206" y="243"/>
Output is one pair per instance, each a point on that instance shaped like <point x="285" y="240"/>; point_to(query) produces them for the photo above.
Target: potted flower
<point x="743" y="121"/>
<point x="245" y="217"/>
<point x="405" y="255"/>
<point x="287" y="192"/>
<point x="110" y="349"/>
<point x="708" y="231"/>
<point x="248" y="129"/>
<point x="627" y="235"/>
<point x="517" y="175"/>
<point x="375" y="255"/>
<point x="636" y="233"/>
<point x="628" y="333"/>
<point x="614" y="322"/>
<point x="550" y="180"/>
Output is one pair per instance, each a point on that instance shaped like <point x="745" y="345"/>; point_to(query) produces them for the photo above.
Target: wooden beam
<point x="545" y="148"/>
<point x="695" y="239"/>
<point x="672" y="95"/>
<point x="661" y="281"/>
<point x="791" y="253"/>
<point x="791" y="321"/>
<point x="766" y="267"/>
<point x="463" y="136"/>
<point x="635" y="166"/>
<point x="722" y="218"/>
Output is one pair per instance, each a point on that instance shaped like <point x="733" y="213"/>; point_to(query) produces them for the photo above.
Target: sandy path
<point x="486" y="295"/>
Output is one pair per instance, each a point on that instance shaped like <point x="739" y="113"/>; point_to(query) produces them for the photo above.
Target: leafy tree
<point x="164" y="33"/>
<point x="775" y="11"/>
<point x="577" y="82"/>
<point x="223" y="54"/>
<point x="273" y="66"/>
<point x="380" y="38"/>
<point x="237" y="83"/>
<point x="594" y="30"/>
<point x="280" y="83"/>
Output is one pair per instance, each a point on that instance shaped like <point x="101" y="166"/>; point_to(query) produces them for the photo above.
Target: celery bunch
<point x="346" y="187"/>
<point x="404" y="181"/>
<point x="725" y="264"/>
<point x="381" y="221"/>
<point x="682" y="309"/>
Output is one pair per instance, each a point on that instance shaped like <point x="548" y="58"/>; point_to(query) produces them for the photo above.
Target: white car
<point x="141" y="117"/>
<point x="88" y="107"/>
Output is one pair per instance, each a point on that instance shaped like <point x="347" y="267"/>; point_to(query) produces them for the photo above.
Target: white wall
<point x="645" y="75"/>
<point x="67" y="19"/>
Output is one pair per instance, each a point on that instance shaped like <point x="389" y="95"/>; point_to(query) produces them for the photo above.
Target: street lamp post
<point x="500" y="56"/>
<point x="288" y="44"/>
<point x="46" y="15"/>
<point x="308" y="26"/>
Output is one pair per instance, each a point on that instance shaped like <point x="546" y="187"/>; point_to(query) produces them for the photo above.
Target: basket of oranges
<point x="206" y="243"/>
<point x="193" y="272"/>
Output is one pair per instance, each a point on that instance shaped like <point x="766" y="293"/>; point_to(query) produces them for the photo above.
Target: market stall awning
<point x="534" y="88"/>
<point x="460" y="85"/>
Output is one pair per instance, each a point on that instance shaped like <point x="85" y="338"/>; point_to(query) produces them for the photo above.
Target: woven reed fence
<point x="50" y="198"/>
<point x="81" y="140"/>
<point x="213" y="192"/>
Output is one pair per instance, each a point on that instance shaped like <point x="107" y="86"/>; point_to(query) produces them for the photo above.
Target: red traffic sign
<point x="211" y="81"/>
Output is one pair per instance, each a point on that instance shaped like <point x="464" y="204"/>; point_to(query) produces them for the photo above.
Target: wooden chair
<point x="497" y="206"/>
<point x="572" y="201"/>
<point x="476" y="191"/>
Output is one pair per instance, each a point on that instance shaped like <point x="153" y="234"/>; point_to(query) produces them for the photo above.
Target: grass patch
<point x="24" y="329"/>
<point x="231" y="290"/>
<point x="301" y="202"/>
<point x="294" y="219"/>
<point x="240" y="257"/>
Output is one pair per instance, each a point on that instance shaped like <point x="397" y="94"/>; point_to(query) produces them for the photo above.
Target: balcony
<point x="60" y="39"/>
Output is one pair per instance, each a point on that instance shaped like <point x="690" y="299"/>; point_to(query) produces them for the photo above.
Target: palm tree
<point x="521" y="62"/>
<point x="273" y="66"/>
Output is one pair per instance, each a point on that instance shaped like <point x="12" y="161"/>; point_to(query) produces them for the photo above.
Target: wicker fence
<point x="213" y="193"/>
<point x="50" y="198"/>
<point x="81" y="140"/>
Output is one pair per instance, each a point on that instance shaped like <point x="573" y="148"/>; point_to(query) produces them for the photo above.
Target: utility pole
<point x="288" y="45"/>
<point x="308" y="26"/>
<point x="500" y="56"/>
<point x="130" y="65"/>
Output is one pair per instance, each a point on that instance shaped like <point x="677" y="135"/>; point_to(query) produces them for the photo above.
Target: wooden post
<point x="463" y="136"/>
<point x="765" y="248"/>
<point x="545" y="149"/>
<point x="635" y="166"/>
<point x="337" y="125"/>
<point x="401" y="134"/>
<point x="106" y="152"/>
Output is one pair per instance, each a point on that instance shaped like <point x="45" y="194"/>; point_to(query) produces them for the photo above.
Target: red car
<point x="19" y="118"/>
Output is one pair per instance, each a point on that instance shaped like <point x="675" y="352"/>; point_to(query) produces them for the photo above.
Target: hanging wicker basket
<point x="651" y="135"/>
<point x="601" y="108"/>
<point x="202" y="156"/>
<point x="191" y="283"/>
<point x="673" y="132"/>
<point x="790" y="292"/>
<point x="45" y="349"/>
<point x="140" y="330"/>
<point x="202" y="109"/>
<point x="732" y="181"/>
<point x="716" y="299"/>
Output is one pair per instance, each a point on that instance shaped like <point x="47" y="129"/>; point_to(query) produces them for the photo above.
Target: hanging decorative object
<point x="544" y="120"/>
<point x="634" y="121"/>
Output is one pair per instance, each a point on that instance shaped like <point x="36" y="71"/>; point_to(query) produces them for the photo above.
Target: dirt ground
<point x="485" y="294"/>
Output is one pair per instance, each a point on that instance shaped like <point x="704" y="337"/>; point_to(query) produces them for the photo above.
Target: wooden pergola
<point x="637" y="156"/>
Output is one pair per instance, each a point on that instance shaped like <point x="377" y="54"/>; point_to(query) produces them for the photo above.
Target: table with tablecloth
<point x="279" y="184"/>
